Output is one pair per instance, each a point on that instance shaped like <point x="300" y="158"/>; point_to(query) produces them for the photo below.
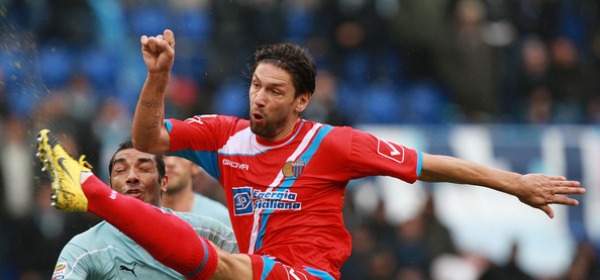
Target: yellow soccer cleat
<point x="65" y="173"/>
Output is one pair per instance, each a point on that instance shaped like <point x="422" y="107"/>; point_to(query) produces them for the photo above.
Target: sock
<point x="168" y="238"/>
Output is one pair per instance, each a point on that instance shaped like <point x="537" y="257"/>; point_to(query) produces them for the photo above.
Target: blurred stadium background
<point x="513" y="84"/>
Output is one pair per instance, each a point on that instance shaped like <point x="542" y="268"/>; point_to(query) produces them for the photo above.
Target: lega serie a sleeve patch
<point x="60" y="271"/>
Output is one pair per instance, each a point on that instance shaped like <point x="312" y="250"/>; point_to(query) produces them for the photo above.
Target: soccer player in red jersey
<point x="284" y="177"/>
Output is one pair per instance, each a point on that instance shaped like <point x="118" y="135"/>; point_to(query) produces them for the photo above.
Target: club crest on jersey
<point x="293" y="168"/>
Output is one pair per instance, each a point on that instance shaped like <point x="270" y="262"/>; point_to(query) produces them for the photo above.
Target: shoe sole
<point x="45" y="141"/>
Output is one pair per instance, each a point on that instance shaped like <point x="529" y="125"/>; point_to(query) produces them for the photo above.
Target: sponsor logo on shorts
<point x="246" y="199"/>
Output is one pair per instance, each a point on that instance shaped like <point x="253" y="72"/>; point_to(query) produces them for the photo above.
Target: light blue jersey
<point x="103" y="252"/>
<point x="205" y="206"/>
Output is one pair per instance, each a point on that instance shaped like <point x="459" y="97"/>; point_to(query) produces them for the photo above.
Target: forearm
<point x="148" y="120"/>
<point x="454" y="170"/>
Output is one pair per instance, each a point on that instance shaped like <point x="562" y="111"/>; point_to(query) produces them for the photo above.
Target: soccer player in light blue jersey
<point x="180" y="195"/>
<point x="103" y="252"/>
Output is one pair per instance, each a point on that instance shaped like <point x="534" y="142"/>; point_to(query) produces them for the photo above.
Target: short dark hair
<point x="160" y="162"/>
<point x="292" y="58"/>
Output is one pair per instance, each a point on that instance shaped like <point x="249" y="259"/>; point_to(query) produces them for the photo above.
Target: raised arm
<point x="535" y="190"/>
<point x="149" y="133"/>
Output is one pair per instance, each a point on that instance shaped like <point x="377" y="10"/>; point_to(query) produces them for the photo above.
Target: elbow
<point x="150" y="145"/>
<point x="140" y="145"/>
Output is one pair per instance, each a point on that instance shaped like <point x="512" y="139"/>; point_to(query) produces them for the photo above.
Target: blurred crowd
<point x="75" y="67"/>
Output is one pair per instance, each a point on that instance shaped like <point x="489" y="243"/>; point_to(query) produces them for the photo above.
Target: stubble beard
<point x="177" y="188"/>
<point x="269" y="129"/>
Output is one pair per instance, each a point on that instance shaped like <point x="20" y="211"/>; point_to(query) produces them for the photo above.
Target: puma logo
<point x="132" y="270"/>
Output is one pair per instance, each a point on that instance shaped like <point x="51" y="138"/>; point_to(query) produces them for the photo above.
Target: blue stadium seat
<point x="100" y="67"/>
<point x="357" y="68"/>
<point x="299" y="24"/>
<point x="381" y="104"/>
<point x="232" y="98"/>
<point x="12" y="68"/>
<point x="56" y="64"/>
<point x="196" y="24"/>
<point x="425" y="102"/>
<point x="349" y="99"/>
<point x="148" y="19"/>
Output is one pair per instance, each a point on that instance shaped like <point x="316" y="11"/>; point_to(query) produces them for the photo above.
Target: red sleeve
<point x="372" y="156"/>
<point x="199" y="133"/>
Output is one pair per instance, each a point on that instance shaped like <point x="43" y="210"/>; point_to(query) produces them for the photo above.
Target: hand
<point x="159" y="52"/>
<point x="540" y="191"/>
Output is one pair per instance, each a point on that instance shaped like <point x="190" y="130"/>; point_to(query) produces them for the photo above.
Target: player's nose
<point x="132" y="177"/>
<point x="259" y="98"/>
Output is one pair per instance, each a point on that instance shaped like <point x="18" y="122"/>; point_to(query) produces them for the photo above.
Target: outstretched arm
<point x="535" y="190"/>
<point x="149" y="133"/>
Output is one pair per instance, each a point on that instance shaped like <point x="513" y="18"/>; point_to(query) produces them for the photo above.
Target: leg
<point x="166" y="237"/>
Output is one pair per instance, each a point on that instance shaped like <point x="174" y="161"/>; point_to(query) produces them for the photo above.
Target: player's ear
<point x="195" y="169"/>
<point x="302" y="101"/>
<point x="164" y="182"/>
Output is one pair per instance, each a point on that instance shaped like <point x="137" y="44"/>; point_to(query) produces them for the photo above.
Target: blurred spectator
<point x="182" y="98"/>
<point x="468" y="65"/>
<point x="421" y="240"/>
<point x="363" y="244"/>
<point x="16" y="168"/>
<point x="4" y="109"/>
<point x="382" y="264"/>
<point x="538" y="17"/>
<point x="535" y="64"/>
<point x="586" y="264"/>
<point x="41" y="232"/>
<point x="415" y="28"/>
<point x="323" y="105"/>
<point x="264" y="21"/>
<point x="410" y="247"/>
<point x="437" y="236"/>
<point x="377" y="222"/>
<point x="111" y="127"/>
<point x="573" y="85"/>
<point x="180" y="194"/>
<point x="81" y="105"/>
<point x="227" y="53"/>
<point x="593" y="110"/>
<point x="532" y="72"/>
<point x="81" y="98"/>
<point x="69" y="21"/>
<point x="540" y="105"/>
<point x="510" y="270"/>
<point x="39" y="237"/>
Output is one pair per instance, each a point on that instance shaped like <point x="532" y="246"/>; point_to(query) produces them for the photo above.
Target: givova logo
<point x="242" y="199"/>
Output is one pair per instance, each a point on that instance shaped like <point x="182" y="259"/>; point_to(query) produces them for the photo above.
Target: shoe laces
<point x="84" y="163"/>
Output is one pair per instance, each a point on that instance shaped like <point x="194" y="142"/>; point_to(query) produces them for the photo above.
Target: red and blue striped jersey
<point x="285" y="198"/>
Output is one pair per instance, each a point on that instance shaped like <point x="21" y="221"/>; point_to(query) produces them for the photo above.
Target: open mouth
<point x="257" y="116"/>
<point x="134" y="192"/>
